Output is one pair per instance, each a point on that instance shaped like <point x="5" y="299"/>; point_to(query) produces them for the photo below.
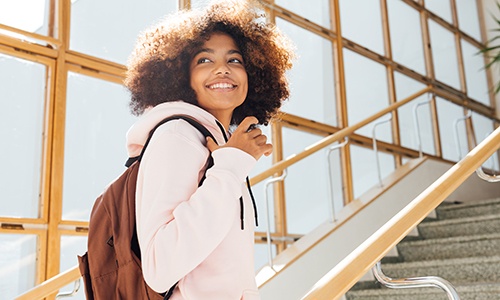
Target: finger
<point x="211" y="145"/>
<point x="255" y="133"/>
<point x="261" y="139"/>
<point x="246" y="123"/>
<point x="268" y="150"/>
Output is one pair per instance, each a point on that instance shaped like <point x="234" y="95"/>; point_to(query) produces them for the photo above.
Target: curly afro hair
<point x="158" y="69"/>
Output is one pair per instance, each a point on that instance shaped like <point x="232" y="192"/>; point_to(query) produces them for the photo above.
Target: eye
<point x="203" y="60"/>
<point x="235" y="60"/>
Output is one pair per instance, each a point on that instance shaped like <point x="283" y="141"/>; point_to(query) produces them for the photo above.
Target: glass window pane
<point x="262" y="256"/>
<point x="406" y="36"/>
<point x="21" y="127"/>
<point x="361" y="22"/>
<point x="200" y="4"/>
<point x="440" y="8"/>
<point x="16" y="14"/>
<point x="475" y="74"/>
<point x="482" y="128"/>
<point x="109" y="29"/>
<point x="417" y="110"/>
<point x="452" y="130"/>
<point x="17" y="264"/>
<point x="364" y="168"/>
<point x="311" y="78"/>
<point x="468" y="19"/>
<point x="316" y="11"/>
<point x="97" y="119"/>
<point x="366" y="90"/>
<point x="306" y="207"/>
<point x="444" y="55"/>
<point x="71" y="247"/>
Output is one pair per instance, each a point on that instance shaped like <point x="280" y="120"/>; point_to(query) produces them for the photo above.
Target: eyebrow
<point x="209" y="50"/>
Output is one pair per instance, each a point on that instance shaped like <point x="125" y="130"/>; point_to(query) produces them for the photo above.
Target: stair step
<point x="461" y="244"/>
<point x="478" y="225"/>
<point x="468" y="209"/>
<point x="457" y="270"/>
<point x="466" y="292"/>
<point x="446" y="248"/>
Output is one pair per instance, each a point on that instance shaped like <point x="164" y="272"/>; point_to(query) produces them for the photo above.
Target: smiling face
<point x="218" y="76"/>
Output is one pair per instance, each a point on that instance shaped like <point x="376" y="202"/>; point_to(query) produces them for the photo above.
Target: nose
<point x="222" y="69"/>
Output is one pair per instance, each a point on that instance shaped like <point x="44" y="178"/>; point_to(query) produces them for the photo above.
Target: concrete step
<point x="446" y="248"/>
<point x="466" y="292"/>
<point x="468" y="209"/>
<point x="457" y="271"/>
<point x="478" y="225"/>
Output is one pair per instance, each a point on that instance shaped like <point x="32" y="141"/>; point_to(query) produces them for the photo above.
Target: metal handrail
<point x="486" y="177"/>
<point x="347" y="272"/>
<point x="416" y="124"/>
<point x="457" y="134"/>
<point x="489" y="178"/>
<point x="333" y="216"/>
<point x="75" y="290"/>
<point x="480" y="173"/>
<point x="268" y="218"/>
<point x="415" y="282"/>
<point x="375" y="148"/>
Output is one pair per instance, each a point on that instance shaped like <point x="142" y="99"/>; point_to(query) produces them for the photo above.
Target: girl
<point x="224" y="67"/>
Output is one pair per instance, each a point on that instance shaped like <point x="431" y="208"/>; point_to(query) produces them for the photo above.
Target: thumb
<point x="211" y="144"/>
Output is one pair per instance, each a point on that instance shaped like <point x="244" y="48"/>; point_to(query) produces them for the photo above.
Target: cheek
<point x="195" y="79"/>
<point x="246" y="85"/>
<point x="245" y="81"/>
<point x="192" y="80"/>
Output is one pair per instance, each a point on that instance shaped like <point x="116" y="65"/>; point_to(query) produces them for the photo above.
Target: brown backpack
<point x="111" y="267"/>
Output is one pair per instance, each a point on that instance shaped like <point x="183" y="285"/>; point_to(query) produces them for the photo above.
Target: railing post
<point x="75" y="290"/>
<point x="375" y="148"/>
<point x="268" y="217"/>
<point x="457" y="134"/>
<point x="333" y="216"/>
<point x="416" y="124"/>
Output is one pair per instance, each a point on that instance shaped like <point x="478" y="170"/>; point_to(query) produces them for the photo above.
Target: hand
<point x="252" y="141"/>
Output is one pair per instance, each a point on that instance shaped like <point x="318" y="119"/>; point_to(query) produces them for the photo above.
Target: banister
<point x="52" y="285"/>
<point x="339" y="135"/>
<point x="345" y="274"/>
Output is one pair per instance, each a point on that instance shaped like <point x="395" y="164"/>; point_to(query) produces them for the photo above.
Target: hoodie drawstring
<point x="242" y="207"/>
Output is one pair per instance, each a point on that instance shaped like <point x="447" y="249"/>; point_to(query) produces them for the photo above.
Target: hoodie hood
<point x="138" y="133"/>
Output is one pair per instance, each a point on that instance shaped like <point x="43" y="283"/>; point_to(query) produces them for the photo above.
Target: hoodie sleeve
<point x="179" y="224"/>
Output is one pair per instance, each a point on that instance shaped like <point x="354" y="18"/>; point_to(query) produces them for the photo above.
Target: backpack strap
<point x="210" y="162"/>
<point x="193" y="122"/>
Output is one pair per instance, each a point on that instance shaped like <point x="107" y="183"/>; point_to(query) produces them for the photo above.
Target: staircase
<point x="461" y="245"/>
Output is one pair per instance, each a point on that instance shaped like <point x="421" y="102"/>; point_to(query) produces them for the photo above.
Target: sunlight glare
<point x="27" y="15"/>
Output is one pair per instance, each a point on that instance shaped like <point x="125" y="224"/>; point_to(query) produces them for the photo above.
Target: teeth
<point x="221" y="86"/>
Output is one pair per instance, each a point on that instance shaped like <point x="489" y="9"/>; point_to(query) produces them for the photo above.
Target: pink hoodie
<point x="188" y="233"/>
